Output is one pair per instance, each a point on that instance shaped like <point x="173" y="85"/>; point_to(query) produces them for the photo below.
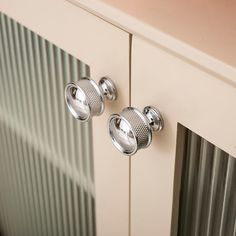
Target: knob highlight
<point x="85" y="98"/>
<point x="131" y="130"/>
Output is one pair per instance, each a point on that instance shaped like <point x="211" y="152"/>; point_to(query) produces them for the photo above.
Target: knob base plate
<point x="154" y="118"/>
<point x="108" y="88"/>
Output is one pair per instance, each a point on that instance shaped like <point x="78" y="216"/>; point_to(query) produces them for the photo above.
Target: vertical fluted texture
<point x="46" y="159"/>
<point x="208" y="190"/>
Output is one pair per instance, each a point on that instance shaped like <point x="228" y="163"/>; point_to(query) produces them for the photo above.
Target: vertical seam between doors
<point x="130" y="75"/>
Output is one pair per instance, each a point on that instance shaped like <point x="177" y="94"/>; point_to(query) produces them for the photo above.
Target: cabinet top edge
<point x="216" y="55"/>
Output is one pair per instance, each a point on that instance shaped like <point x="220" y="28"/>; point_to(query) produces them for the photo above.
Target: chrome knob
<point x="131" y="129"/>
<point x="85" y="98"/>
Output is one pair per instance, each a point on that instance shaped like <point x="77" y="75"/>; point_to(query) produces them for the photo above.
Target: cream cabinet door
<point x="185" y="94"/>
<point x="105" y="50"/>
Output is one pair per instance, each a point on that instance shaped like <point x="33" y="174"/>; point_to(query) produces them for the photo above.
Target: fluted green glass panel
<point x="208" y="190"/>
<point x="46" y="157"/>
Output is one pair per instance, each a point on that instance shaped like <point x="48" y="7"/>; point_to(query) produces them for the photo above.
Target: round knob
<point x="85" y="98"/>
<point x="131" y="130"/>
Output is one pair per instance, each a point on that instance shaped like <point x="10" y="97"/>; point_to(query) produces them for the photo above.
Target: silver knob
<point x="131" y="129"/>
<point x="85" y="98"/>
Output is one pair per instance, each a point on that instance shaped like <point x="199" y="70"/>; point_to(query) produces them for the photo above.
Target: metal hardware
<point x="85" y="98"/>
<point x="131" y="129"/>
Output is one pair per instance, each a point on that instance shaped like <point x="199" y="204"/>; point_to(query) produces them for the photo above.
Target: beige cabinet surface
<point x="139" y="195"/>
<point x="187" y="95"/>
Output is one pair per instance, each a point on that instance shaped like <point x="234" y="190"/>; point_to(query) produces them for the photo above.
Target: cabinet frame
<point x="179" y="87"/>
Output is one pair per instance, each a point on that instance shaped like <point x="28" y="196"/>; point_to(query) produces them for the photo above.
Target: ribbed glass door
<point x="208" y="190"/>
<point x="46" y="157"/>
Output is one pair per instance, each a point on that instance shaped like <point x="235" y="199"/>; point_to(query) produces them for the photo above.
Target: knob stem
<point x="108" y="88"/>
<point x="154" y="118"/>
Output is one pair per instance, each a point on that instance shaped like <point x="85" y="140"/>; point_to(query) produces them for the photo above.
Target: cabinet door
<point x="199" y="100"/>
<point x="69" y="178"/>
